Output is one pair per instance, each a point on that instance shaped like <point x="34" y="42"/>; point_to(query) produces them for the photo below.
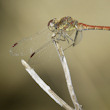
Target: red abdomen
<point x="93" y="27"/>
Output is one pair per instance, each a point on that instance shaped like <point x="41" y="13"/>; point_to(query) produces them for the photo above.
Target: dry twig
<point x="45" y="87"/>
<point x="67" y="76"/>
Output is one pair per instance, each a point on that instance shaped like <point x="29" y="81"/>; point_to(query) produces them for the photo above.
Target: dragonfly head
<point x="53" y="25"/>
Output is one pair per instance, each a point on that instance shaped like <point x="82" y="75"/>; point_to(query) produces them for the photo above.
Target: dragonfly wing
<point x="42" y="54"/>
<point x="78" y="37"/>
<point x="28" y="45"/>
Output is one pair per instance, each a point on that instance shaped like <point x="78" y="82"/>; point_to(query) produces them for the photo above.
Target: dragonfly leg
<point x="68" y="37"/>
<point x="75" y="38"/>
<point x="60" y="38"/>
<point x="67" y="47"/>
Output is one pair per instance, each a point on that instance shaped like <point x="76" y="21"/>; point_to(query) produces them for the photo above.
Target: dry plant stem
<point x="67" y="76"/>
<point x="45" y="87"/>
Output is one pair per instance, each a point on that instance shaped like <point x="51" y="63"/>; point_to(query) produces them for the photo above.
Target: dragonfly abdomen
<point x="93" y="27"/>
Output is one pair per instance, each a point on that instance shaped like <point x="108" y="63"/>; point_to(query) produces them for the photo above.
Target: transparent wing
<point x="78" y="37"/>
<point x="47" y="51"/>
<point x="28" y="45"/>
<point x="42" y="54"/>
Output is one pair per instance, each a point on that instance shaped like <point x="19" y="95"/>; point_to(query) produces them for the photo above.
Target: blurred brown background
<point x="89" y="62"/>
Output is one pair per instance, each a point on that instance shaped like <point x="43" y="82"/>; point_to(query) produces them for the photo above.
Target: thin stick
<point x="45" y="87"/>
<point x="67" y="76"/>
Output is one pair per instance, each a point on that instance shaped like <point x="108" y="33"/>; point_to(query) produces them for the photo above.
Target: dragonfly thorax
<point x="65" y="24"/>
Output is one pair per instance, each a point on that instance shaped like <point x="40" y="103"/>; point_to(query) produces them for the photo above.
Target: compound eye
<point x="52" y="24"/>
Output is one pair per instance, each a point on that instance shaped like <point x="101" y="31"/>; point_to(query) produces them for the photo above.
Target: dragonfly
<point x="67" y="31"/>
